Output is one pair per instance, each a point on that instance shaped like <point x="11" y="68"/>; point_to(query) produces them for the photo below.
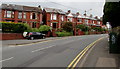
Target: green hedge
<point x="8" y="27"/>
<point x="62" y="34"/>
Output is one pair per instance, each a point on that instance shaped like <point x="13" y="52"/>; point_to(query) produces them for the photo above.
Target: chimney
<point x="85" y="14"/>
<point x="77" y="13"/>
<point x="96" y="17"/>
<point x="69" y="11"/>
<point x="39" y="6"/>
<point x="91" y="15"/>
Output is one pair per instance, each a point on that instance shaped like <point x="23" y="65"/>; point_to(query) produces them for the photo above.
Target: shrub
<point x="68" y="26"/>
<point x="62" y="34"/>
<point x="44" y="28"/>
<point x="29" y="29"/>
<point x="8" y="27"/>
<point x="35" y="30"/>
<point x="83" y="27"/>
<point x="98" y="29"/>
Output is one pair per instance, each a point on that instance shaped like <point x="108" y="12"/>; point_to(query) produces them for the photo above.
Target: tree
<point x="44" y="29"/>
<point x="112" y="13"/>
<point x="67" y="27"/>
<point x="83" y="27"/>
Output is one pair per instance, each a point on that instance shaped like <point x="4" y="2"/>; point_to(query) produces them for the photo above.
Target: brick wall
<point x="10" y="36"/>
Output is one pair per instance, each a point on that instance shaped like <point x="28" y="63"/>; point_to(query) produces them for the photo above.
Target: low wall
<point x="11" y="36"/>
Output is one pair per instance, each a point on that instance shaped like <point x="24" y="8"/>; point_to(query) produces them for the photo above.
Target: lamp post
<point x="86" y="22"/>
<point x="108" y="26"/>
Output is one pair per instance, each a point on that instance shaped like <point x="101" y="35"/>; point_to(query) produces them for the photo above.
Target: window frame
<point x="20" y="15"/>
<point x="54" y="16"/>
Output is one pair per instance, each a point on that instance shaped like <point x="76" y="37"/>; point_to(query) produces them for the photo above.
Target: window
<point x="34" y="25"/>
<point x="33" y="16"/>
<point x="93" y="22"/>
<point x="79" y="20"/>
<point x="98" y="22"/>
<point x="54" y="16"/>
<point x="12" y="14"/>
<point x="24" y="15"/>
<point x="19" y="15"/>
<point x="70" y="19"/>
<point x="51" y="16"/>
<point x="5" y="14"/>
<point x="0" y="13"/>
<point x="51" y="24"/>
<point x="9" y="14"/>
<point x="86" y="21"/>
<point x="62" y="18"/>
<point x="54" y="25"/>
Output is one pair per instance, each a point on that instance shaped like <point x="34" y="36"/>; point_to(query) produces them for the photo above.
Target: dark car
<point x="33" y="35"/>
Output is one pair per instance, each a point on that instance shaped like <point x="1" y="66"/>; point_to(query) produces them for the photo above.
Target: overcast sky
<point x="73" y="5"/>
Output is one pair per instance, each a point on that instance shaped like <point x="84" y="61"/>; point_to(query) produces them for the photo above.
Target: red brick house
<point x="91" y="21"/>
<point x="70" y="17"/>
<point x="21" y="14"/>
<point x="53" y="17"/>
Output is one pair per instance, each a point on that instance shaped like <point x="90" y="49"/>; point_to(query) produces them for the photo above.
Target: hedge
<point x="10" y="27"/>
<point x="62" y="34"/>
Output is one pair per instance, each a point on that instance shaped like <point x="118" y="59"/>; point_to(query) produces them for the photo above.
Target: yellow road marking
<point x="81" y="54"/>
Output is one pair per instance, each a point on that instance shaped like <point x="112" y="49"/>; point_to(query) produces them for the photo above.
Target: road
<point x="54" y="53"/>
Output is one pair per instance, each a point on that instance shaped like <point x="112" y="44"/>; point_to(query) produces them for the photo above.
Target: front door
<point x="54" y="25"/>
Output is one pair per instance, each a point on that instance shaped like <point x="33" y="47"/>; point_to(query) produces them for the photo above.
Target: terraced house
<point x="35" y="16"/>
<point x="21" y="14"/>
<point x="53" y="17"/>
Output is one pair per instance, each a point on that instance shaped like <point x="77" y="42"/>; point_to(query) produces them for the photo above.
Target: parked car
<point x="33" y="35"/>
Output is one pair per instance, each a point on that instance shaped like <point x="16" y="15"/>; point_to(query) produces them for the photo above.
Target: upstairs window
<point x="86" y="21"/>
<point x="79" y="20"/>
<point x="54" y="16"/>
<point x="98" y="22"/>
<point x="62" y="18"/>
<point x="93" y="22"/>
<point x="9" y="14"/>
<point x="24" y="15"/>
<point x="70" y="19"/>
<point x="51" y="16"/>
<point x="19" y="15"/>
<point x="33" y="16"/>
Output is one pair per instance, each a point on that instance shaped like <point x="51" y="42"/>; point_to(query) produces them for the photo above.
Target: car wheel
<point x="32" y="38"/>
<point x="43" y="37"/>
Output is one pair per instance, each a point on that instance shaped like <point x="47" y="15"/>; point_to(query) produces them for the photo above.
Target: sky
<point x="73" y="5"/>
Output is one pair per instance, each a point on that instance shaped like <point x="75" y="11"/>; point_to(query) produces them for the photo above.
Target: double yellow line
<point x="73" y="64"/>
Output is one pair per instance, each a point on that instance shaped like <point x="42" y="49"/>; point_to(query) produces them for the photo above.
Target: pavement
<point x="60" y="50"/>
<point x="99" y="56"/>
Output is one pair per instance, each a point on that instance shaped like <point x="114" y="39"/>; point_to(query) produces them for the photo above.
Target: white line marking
<point x="7" y="59"/>
<point x="43" y="48"/>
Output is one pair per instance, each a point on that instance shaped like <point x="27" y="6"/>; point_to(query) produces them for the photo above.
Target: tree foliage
<point x="44" y="28"/>
<point x="83" y="27"/>
<point x="8" y="27"/>
<point x="112" y="13"/>
<point x="67" y="27"/>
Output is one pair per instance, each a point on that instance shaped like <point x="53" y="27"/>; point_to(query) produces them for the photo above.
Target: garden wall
<point x="11" y="36"/>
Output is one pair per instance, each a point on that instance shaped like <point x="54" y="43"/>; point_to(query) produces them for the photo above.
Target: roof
<point x="20" y="8"/>
<point x="53" y="10"/>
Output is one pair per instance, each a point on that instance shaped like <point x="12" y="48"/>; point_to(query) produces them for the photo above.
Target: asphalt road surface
<point x="55" y="53"/>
